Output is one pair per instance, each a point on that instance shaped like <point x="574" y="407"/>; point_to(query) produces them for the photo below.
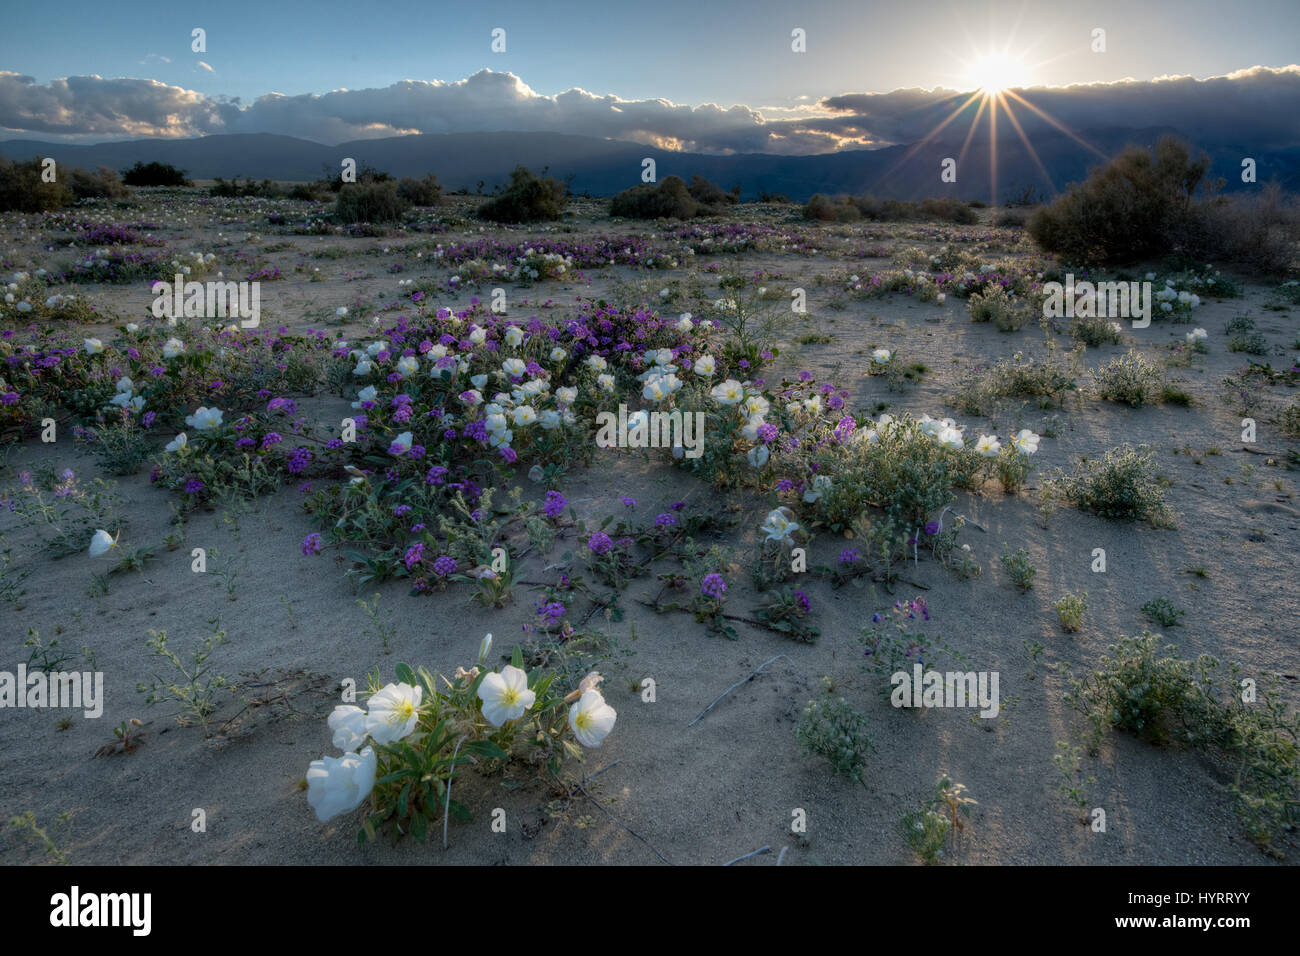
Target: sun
<point x="994" y="73"/>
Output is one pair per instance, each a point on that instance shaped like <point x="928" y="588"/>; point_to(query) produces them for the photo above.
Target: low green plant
<point x="1129" y="380"/>
<point x="1070" y="610"/>
<point x="193" y="685"/>
<point x="829" y="727"/>
<point x="1122" y="485"/>
<point x="1018" y="567"/>
<point x="936" y="823"/>
<point x="1144" y="687"/>
<point x="1162" y="611"/>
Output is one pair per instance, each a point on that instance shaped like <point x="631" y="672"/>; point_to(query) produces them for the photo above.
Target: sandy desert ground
<point x="731" y="783"/>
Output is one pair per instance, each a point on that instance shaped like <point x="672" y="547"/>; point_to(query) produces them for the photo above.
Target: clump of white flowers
<point x="403" y="751"/>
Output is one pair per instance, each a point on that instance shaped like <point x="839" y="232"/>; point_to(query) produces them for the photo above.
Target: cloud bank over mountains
<point x="1258" y="107"/>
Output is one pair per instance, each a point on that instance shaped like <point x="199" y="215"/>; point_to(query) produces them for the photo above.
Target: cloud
<point x="96" y="108"/>
<point x="206" y="67"/>
<point x="1255" y="107"/>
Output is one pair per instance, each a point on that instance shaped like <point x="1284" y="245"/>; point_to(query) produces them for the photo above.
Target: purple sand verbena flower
<point x="713" y="586"/>
<point x="311" y="544"/>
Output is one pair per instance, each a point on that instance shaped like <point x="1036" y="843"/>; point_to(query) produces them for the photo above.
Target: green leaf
<point x="460" y="811"/>
<point x="420" y="828"/>
<point x="485" y="748"/>
<point x="517" y="658"/>
<point x="405" y="674"/>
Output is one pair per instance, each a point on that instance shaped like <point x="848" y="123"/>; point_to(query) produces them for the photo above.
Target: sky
<point x="715" y="68"/>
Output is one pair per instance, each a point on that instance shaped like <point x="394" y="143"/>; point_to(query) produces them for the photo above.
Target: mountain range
<point x="602" y="167"/>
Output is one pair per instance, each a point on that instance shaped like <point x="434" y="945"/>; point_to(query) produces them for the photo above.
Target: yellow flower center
<point x="509" y="697"/>
<point x="582" y="721"/>
<point x="403" y="712"/>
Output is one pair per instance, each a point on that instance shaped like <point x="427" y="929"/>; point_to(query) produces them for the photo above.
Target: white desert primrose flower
<point x="338" y="785"/>
<point x="558" y="354"/>
<point x="92" y="346"/>
<point x="485" y="647"/>
<point x="393" y="712"/>
<point x="514" y="336"/>
<point x="606" y="382"/>
<point x="596" y="363"/>
<point x="179" y="443"/>
<point x="525" y="415"/>
<point x="514" y="367"/>
<point x="401" y="444"/>
<point x="367" y="394"/>
<point x="1025" y="441"/>
<point x="705" y="366"/>
<point x="880" y="356"/>
<point x="729" y="392"/>
<point x="101" y="543"/>
<point x="505" y="695"/>
<point x="349" y="725"/>
<point x="988" y="446"/>
<point x="205" y="419"/>
<point x="591" y="719"/>
<point x="173" y="348"/>
<point x="780" y="526"/>
<point x="758" y="456"/>
<point x="820" y="485"/>
<point x="1197" y="335"/>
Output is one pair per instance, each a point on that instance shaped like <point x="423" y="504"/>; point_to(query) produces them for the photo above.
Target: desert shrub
<point x="155" y="174"/>
<point x="831" y="728"/>
<point x="1095" y="330"/>
<point x="370" y="202"/>
<point x="1122" y="485"/>
<point x="1012" y="218"/>
<point x="1018" y="567"/>
<point x="670" y="199"/>
<point x="1289" y="420"/>
<point x="949" y="210"/>
<point x="234" y="189"/>
<point x="928" y="828"/>
<point x="995" y="305"/>
<point x="711" y="194"/>
<point x="1162" y="611"/>
<point x="317" y="191"/>
<point x="1130" y="379"/>
<point x="1144" y="687"/>
<point x="1126" y="210"/>
<point x="1017" y="377"/>
<point x="21" y="188"/>
<point x="103" y="183"/>
<point x="420" y="192"/>
<point x="528" y="198"/>
<point x="765" y="196"/>
<point x="1258" y="231"/>
<point x="830" y="210"/>
<point x="1070" y="610"/>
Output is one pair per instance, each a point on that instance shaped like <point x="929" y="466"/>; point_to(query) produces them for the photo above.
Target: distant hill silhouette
<point x="603" y="167"/>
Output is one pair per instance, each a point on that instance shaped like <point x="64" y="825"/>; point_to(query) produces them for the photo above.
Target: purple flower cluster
<point x="554" y="506"/>
<point x="311" y="544"/>
<point x="600" y="543"/>
<point x="713" y="586"/>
